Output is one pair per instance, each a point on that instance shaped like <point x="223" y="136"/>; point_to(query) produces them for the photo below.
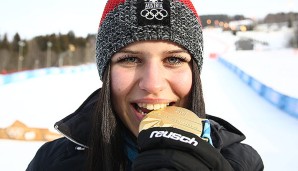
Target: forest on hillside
<point x="45" y="51"/>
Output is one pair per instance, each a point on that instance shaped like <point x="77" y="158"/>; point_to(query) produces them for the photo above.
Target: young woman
<point x="149" y="57"/>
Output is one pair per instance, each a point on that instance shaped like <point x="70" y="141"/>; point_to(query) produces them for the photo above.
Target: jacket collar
<point x="223" y="133"/>
<point x="77" y="126"/>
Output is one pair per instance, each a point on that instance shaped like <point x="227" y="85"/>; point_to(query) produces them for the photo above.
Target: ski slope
<point x="40" y="102"/>
<point x="271" y="131"/>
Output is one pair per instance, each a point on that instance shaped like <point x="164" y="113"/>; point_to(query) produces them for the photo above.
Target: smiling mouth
<point x="145" y="108"/>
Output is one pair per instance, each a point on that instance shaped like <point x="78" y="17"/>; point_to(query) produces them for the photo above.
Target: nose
<point x="152" y="78"/>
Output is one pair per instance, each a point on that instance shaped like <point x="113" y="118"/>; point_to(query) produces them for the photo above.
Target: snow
<point x="40" y="102"/>
<point x="52" y="96"/>
<point x="274" y="65"/>
<point x="279" y="73"/>
<point x="271" y="131"/>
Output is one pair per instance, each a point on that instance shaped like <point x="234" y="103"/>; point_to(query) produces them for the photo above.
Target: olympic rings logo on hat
<point x="150" y="14"/>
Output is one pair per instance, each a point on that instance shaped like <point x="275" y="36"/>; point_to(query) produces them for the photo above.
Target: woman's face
<point x="149" y="75"/>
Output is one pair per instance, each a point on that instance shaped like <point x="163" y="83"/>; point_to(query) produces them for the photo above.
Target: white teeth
<point x="142" y="112"/>
<point x="156" y="106"/>
<point x="152" y="106"/>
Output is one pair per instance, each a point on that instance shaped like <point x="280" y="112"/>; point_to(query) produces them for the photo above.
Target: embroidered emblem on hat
<point x="153" y="12"/>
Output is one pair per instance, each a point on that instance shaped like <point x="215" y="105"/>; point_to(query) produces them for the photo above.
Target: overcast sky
<point x="39" y="17"/>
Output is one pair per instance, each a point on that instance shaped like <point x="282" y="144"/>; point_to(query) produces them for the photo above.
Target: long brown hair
<point x="197" y="98"/>
<point x="106" y="148"/>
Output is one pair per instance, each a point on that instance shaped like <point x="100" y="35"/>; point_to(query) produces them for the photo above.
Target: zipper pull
<point x="79" y="148"/>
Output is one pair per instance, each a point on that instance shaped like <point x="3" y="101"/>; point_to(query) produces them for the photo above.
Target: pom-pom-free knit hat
<point x="127" y="21"/>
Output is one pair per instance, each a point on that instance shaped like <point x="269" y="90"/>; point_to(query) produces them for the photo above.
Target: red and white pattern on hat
<point x="112" y="4"/>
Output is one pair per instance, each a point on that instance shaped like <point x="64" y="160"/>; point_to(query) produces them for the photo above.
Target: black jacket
<point x="68" y="153"/>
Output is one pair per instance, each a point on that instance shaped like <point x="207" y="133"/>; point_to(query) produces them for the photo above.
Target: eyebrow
<point x="176" y="51"/>
<point x="166" y="52"/>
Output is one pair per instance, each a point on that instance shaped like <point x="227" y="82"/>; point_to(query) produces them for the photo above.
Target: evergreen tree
<point x="55" y="45"/>
<point x="80" y="42"/>
<point x="15" y="42"/>
<point x="64" y="42"/>
<point x="71" y="37"/>
<point x="4" y="44"/>
<point x="40" y="40"/>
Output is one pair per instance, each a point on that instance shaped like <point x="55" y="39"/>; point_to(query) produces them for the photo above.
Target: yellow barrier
<point x="19" y="131"/>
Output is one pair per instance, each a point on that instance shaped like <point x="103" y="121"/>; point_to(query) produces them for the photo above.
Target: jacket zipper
<point x="69" y="138"/>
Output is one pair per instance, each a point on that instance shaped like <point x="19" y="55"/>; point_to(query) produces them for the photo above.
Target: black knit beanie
<point x="127" y="21"/>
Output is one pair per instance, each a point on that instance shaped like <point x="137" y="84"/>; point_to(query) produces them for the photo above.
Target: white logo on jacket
<point x="174" y="136"/>
<point x="154" y="9"/>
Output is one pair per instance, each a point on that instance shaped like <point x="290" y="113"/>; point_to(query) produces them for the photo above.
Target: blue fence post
<point x="21" y="76"/>
<point x="281" y="101"/>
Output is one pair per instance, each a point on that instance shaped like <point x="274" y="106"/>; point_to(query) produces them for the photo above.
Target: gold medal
<point x="172" y="116"/>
